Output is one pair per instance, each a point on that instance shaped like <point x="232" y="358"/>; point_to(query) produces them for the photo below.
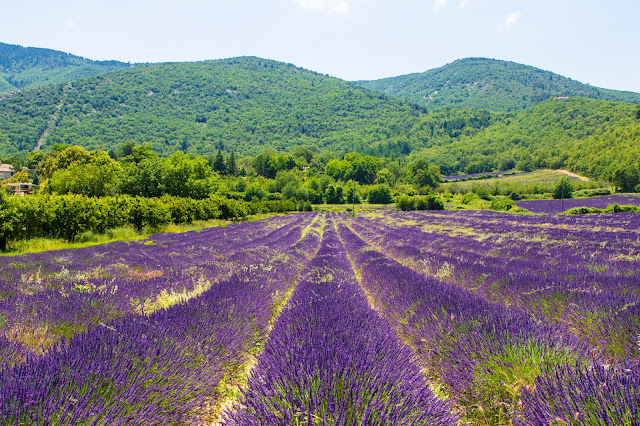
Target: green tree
<point x="380" y="194"/>
<point x="232" y="166"/>
<point x="183" y="176"/>
<point x="625" y="177"/>
<point x="562" y="188"/>
<point x="218" y="163"/>
<point x="385" y="176"/>
<point x="142" y="178"/>
<point x="334" y="194"/>
<point x="423" y="174"/>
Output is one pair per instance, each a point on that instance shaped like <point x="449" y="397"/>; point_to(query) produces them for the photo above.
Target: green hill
<point x="489" y="84"/>
<point x="28" y="67"/>
<point x="246" y="104"/>
<point x="250" y="104"/>
<point x="590" y="137"/>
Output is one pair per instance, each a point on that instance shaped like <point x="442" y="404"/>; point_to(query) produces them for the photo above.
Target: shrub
<point x="429" y="202"/>
<point x="405" y="203"/>
<point x="468" y="197"/>
<point x="380" y="194"/>
<point x="502" y="204"/>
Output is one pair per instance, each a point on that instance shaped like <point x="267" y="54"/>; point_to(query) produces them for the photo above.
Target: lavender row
<point x="556" y="206"/>
<point x="60" y="269"/>
<point x="484" y="354"/>
<point x="165" y="368"/>
<point x="583" y="396"/>
<point x="580" y="272"/>
<point x="40" y="319"/>
<point x="332" y="360"/>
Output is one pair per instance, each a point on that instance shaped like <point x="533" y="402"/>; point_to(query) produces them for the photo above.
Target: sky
<point x="590" y="41"/>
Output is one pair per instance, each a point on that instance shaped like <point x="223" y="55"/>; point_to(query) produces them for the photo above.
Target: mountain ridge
<point x="492" y="84"/>
<point x="29" y="67"/>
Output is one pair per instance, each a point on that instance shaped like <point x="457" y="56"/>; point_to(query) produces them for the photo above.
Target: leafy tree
<point x="142" y="178"/>
<point x="183" y="176"/>
<point x="8" y="220"/>
<point x="428" y="202"/>
<point x="562" y="188"/>
<point x="380" y="194"/>
<point x="92" y="180"/>
<point x="626" y="177"/>
<point x="424" y="174"/>
<point x="405" y="203"/>
<point x="334" y="194"/>
<point x="385" y="176"/>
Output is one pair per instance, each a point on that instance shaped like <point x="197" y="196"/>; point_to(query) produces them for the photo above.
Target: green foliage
<point x="68" y="216"/>
<point x="405" y="203"/>
<point x="380" y="194"/>
<point x="27" y="67"/>
<point x="424" y="202"/>
<point x="424" y="174"/>
<point x="562" y="188"/>
<point x="361" y="168"/>
<point x="612" y="208"/>
<point x="428" y="202"/>
<point x="489" y="84"/>
<point x="242" y="104"/>
<point x="334" y="194"/>
<point x="218" y="163"/>
<point x="502" y="204"/>
<point x="468" y="197"/>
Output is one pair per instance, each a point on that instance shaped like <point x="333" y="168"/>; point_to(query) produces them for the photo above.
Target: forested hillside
<point x="489" y="84"/>
<point x="249" y="105"/>
<point x="596" y="138"/>
<point x="246" y="104"/>
<point x="28" y="67"/>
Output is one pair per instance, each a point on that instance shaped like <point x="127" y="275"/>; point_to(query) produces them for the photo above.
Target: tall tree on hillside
<point x="218" y="163"/>
<point x="232" y="167"/>
<point x="423" y="174"/>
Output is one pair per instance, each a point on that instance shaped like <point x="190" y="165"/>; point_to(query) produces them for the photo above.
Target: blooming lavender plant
<point x="162" y="368"/>
<point x="104" y="283"/>
<point x="556" y="206"/>
<point x="332" y="360"/>
<point x="483" y="353"/>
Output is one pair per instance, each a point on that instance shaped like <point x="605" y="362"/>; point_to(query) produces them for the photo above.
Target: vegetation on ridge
<point x="29" y="67"/>
<point x="489" y="84"/>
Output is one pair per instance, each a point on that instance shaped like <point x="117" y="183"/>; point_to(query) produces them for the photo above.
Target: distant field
<point x="536" y="182"/>
<point x="555" y="206"/>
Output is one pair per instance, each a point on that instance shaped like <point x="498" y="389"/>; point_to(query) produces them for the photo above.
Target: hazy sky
<point x="591" y="41"/>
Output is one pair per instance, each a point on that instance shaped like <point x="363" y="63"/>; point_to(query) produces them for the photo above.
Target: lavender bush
<point x="332" y="360"/>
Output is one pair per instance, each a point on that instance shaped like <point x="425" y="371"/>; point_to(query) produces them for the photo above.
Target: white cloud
<point x="464" y="3"/>
<point x="338" y="7"/>
<point x="512" y="19"/>
<point x="71" y="23"/>
<point x="439" y="4"/>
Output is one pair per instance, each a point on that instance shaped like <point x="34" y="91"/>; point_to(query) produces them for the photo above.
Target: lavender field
<point x="556" y="206"/>
<point x="388" y="318"/>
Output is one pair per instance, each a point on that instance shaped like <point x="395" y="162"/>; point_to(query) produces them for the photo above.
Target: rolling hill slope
<point x="246" y="104"/>
<point x="250" y="104"/>
<point x="29" y="67"/>
<point x="590" y="137"/>
<point x="489" y="84"/>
